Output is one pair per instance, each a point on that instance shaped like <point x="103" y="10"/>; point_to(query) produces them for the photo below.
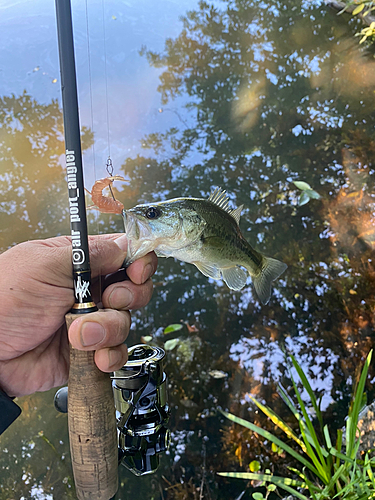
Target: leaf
<point x="343" y="10"/>
<point x="358" y="9"/>
<point x="313" y="194"/>
<point x="281" y="482"/>
<point x="145" y="339"/>
<point x="238" y="453"/>
<point x="279" y="422"/>
<point x="307" y="430"/>
<point x="303" y="186"/>
<point x="352" y="422"/>
<point x="303" y="199"/>
<point x="173" y="328"/>
<point x="217" y="374"/>
<point x="258" y="496"/>
<point x="309" y="390"/>
<point x="254" y="466"/>
<point x="270" y="437"/>
<point x="171" y="344"/>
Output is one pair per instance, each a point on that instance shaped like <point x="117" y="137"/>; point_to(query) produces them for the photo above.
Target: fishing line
<point x="92" y="121"/>
<point x="109" y="165"/>
<point x="90" y="84"/>
<point x="106" y="85"/>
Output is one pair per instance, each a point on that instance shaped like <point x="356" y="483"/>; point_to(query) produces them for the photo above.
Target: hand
<point x="36" y="291"/>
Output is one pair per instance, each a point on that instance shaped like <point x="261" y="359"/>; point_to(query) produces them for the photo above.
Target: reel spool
<point x="140" y="393"/>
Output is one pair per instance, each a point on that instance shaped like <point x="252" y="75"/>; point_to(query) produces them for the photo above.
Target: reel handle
<point x="92" y="426"/>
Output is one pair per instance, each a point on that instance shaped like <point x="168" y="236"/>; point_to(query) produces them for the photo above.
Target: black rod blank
<point x="74" y="169"/>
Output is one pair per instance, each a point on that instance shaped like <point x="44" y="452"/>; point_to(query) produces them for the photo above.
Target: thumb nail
<point x="122" y="243"/>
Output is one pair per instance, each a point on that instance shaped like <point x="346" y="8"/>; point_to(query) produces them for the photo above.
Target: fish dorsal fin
<point x="220" y="198"/>
<point x="236" y="213"/>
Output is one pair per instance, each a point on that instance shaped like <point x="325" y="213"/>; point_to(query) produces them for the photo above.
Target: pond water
<point x="247" y="95"/>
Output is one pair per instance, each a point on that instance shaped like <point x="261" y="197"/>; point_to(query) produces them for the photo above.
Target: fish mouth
<point x="136" y="228"/>
<point x="140" y="237"/>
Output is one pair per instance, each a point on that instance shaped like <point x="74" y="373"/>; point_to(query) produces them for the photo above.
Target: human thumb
<point x="107" y="253"/>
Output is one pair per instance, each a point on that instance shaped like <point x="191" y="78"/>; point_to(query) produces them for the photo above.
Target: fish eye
<point x="152" y="213"/>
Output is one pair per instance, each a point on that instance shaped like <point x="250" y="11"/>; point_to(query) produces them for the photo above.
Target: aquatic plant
<point x="327" y="471"/>
<point x="364" y="10"/>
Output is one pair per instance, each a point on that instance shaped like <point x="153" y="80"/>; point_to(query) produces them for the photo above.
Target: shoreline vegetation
<point x="329" y="464"/>
<point x="349" y="8"/>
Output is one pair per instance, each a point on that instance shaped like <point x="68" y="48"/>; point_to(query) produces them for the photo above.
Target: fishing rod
<point x="91" y="412"/>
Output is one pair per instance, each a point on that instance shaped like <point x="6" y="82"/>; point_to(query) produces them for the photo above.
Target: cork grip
<point x="92" y="427"/>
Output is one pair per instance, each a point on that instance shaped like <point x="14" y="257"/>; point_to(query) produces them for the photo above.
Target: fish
<point x="203" y="232"/>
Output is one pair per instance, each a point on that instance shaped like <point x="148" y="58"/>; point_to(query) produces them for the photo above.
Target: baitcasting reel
<point x="141" y="400"/>
<point x="140" y="391"/>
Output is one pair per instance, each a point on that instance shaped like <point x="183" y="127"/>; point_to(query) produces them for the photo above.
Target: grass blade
<point x="281" y="482"/>
<point x="273" y="439"/>
<point x="307" y="386"/>
<point x="289" y="403"/>
<point x="279" y="422"/>
<point x="318" y="461"/>
<point x="352" y="421"/>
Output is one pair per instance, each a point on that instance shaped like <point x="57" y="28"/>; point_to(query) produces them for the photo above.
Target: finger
<point x="108" y="252"/>
<point x="104" y="328"/>
<point x="126" y="295"/>
<point x="54" y="257"/>
<point x="142" y="269"/>
<point x="111" y="359"/>
<point x="106" y="256"/>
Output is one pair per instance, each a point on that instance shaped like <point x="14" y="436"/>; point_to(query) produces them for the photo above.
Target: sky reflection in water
<point x="248" y="96"/>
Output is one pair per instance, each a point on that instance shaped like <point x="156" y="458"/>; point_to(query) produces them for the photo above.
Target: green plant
<point x="362" y="8"/>
<point x="328" y="471"/>
<point x="307" y="192"/>
<point x="366" y="33"/>
<point x="356" y="7"/>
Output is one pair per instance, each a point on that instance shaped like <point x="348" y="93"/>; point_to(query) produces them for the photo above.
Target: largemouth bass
<point x="205" y="233"/>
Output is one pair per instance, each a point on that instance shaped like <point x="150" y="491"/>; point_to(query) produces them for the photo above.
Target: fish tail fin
<point x="271" y="269"/>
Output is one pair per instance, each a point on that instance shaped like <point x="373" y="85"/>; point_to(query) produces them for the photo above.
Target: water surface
<point x="245" y="95"/>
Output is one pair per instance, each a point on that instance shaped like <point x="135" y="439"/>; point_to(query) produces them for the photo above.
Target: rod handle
<point x="92" y="426"/>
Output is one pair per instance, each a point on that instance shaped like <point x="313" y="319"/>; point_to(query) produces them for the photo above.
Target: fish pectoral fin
<point x="209" y="270"/>
<point x="235" y="277"/>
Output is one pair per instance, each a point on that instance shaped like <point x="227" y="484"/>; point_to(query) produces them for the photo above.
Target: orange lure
<point x="106" y="204"/>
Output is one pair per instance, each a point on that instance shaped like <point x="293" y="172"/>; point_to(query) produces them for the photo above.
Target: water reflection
<point x="266" y="96"/>
<point x="32" y="184"/>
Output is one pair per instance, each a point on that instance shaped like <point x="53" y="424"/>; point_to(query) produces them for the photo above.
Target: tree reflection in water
<point x="266" y="94"/>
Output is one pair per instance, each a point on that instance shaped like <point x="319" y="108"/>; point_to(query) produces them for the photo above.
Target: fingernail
<point x="147" y="273"/>
<point x="122" y="243"/>
<point x="120" y="298"/>
<point x="91" y="333"/>
<point x="114" y="357"/>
